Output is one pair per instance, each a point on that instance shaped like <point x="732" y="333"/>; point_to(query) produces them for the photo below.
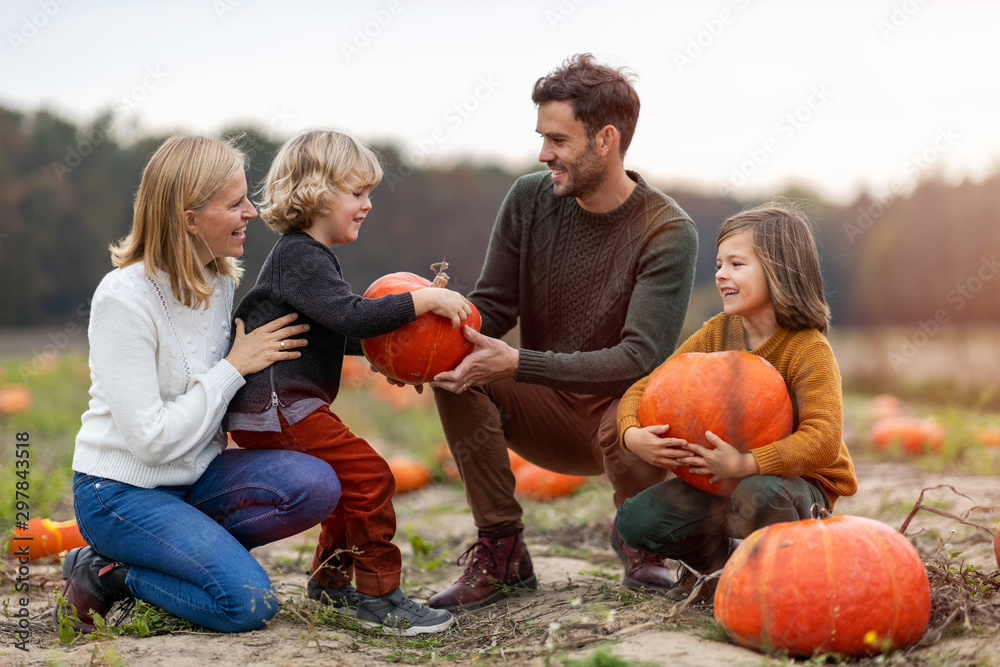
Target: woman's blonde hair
<point x="183" y="174"/>
<point x="783" y="240"/>
<point x="309" y="173"/>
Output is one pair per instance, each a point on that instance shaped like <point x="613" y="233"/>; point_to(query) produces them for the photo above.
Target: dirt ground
<point x="577" y="608"/>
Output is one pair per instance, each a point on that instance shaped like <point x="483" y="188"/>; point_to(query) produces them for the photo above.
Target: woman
<point x="170" y="515"/>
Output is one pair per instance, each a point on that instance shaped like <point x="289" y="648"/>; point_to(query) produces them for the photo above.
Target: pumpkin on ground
<point x="537" y="483"/>
<point x="410" y="473"/>
<point x="45" y="537"/>
<point x="987" y="437"/>
<point x="736" y="395"/>
<point x="14" y="399"/>
<point x="914" y="435"/>
<point x="416" y="352"/>
<point x="845" y="585"/>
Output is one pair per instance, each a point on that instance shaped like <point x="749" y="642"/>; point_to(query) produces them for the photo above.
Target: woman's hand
<point x="268" y="343"/>
<point x="444" y="302"/>
<point x="652" y="445"/>
<point x="723" y="462"/>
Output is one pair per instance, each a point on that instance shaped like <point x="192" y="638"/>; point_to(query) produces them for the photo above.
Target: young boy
<point x="316" y="195"/>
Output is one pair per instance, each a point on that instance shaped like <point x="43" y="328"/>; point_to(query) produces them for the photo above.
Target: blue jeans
<point x="188" y="546"/>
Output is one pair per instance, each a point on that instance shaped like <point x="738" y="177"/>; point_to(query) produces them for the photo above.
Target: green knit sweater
<point x="601" y="298"/>
<point x="816" y="448"/>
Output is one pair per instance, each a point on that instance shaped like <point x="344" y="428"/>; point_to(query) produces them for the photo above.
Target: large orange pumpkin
<point x="416" y="352"/>
<point x="738" y="396"/>
<point x="914" y="435"/>
<point x="846" y="585"/>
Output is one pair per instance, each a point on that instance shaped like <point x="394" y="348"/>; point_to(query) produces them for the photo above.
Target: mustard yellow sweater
<point x="815" y="449"/>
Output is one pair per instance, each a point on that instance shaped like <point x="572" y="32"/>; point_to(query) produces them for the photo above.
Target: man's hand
<point x="490" y="360"/>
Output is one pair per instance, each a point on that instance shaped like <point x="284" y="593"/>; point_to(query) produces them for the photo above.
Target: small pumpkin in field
<point x="846" y="585"/>
<point x="416" y="352"/>
<point x="914" y="435"/>
<point x="987" y="437"/>
<point x="736" y="395"/>
<point x="537" y="483"/>
<point x="410" y="473"/>
<point x="14" y="399"/>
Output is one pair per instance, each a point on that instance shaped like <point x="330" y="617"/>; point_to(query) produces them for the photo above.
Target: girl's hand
<point x="444" y="302"/>
<point x="723" y="462"/>
<point x="653" y="446"/>
<point x="268" y="343"/>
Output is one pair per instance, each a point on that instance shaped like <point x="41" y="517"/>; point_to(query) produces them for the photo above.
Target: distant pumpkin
<point x="886" y="405"/>
<point x="410" y="473"/>
<point x="914" y="435"/>
<point x="14" y="399"/>
<point x="537" y="483"/>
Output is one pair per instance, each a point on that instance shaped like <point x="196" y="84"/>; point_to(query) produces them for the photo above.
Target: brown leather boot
<point x="497" y="562"/>
<point x="93" y="585"/>
<point x="642" y="569"/>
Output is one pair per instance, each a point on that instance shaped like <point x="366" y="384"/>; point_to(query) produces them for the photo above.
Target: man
<point x="598" y="267"/>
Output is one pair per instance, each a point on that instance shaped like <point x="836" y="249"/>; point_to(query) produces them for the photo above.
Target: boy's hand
<point x="444" y="302"/>
<point x="723" y="462"/>
<point x="652" y="445"/>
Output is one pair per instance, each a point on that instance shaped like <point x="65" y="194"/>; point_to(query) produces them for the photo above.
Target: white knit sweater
<point x="160" y="384"/>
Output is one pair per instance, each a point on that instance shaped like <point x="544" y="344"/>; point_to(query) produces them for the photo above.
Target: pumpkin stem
<point x="819" y="512"/>
<point x="440" y="277"/>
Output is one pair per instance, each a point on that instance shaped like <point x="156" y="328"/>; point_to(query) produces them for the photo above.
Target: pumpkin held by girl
<point x="736" y="395"/>
<point x="416" y="352"/>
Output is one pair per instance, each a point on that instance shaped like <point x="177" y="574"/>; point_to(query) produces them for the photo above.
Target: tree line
<point x="66" y="192"/>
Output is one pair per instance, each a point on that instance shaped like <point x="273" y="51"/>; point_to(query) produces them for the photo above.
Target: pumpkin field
<point x="924" y="436"/>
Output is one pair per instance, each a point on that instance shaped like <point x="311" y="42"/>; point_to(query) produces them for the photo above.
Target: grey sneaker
<point x="343" y="600"/>
<point x="395" y="614"/>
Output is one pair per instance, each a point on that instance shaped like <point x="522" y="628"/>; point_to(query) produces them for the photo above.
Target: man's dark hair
<point x="600" y="95"/>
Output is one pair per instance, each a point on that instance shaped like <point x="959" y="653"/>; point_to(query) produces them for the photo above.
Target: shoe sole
<point x="410" y="631"/>
<point x="494" y="597"/>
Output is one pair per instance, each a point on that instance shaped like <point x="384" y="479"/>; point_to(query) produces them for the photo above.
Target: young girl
<point x="316" y="195"/>
<point x="772" y="293"/>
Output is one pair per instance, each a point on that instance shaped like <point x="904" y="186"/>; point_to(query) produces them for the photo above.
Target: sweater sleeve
<point x="814" y="378"/>
<point x="628" y="408"/>
<point x="123" y="355"/>
<point x="309" y="280"/>
<point x="498" y="286"/>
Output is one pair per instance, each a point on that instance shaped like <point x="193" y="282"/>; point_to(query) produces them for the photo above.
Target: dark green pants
<point x="675" y="520"/>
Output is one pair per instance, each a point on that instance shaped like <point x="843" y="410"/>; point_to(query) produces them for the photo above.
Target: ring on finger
<point x="282" y="345"/>
<point x="464" y="387"/>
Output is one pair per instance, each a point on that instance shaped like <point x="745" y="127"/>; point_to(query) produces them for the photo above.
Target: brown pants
<point x="357" y="538"/>
<point x="570" y="433"/>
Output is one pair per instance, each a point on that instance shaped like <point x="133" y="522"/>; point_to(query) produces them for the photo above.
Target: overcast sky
<point x="737" y="95"/>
